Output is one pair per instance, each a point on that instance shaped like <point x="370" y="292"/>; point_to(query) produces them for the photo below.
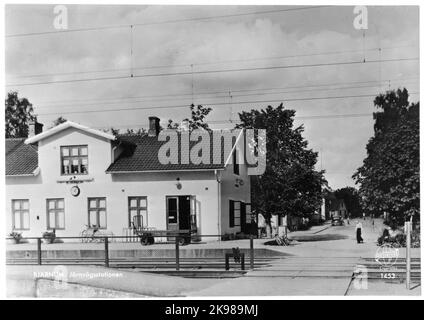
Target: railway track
<point x="142" y="263"/>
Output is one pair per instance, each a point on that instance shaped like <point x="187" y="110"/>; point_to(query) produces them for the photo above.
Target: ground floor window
<point x="137" y="211"/>
<point x="56" y="214"/>
<point x="97" y="213"/>
<point x="20" y="214"/>
<point x="235" y="209"/>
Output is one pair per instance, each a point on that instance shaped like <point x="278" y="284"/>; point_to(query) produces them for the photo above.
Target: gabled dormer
<point x="72" y="152"/>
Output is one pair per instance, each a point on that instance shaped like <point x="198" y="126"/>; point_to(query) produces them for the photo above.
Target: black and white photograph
<point x="188" y="151"/>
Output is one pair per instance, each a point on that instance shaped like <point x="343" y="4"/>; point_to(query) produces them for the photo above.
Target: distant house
<point x="326" y="205"/>
<point x="338" y="208"/>
<point x="72" y="177"/>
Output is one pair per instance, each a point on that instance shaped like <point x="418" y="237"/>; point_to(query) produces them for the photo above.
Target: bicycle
<point x="282" y="240"/>
<point x="90" y="234"/>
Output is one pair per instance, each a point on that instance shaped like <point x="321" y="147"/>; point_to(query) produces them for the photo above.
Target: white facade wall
<point x="229" y="191"/>
<point x="212" y="210"/>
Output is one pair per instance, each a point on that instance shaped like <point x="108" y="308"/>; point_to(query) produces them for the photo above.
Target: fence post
<point x="39" y="251"/>
<point x="177" y="253"/>
<point x="251" y="255"/>
<point x="408" y="255"/>
<point x="106" y="252"/>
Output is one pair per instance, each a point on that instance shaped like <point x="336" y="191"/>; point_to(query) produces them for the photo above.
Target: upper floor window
<point x="74" y="160"/>
<point x="20" y="214"/>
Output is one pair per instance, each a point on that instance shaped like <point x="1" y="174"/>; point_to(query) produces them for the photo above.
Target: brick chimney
<point x="34" y="128"/>
<point x="154" y="126"/>
<point x="185" y="125"/>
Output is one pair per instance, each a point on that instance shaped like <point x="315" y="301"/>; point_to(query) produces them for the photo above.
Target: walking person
<point x="359" y="232"/>
<point x="363" y="215"/>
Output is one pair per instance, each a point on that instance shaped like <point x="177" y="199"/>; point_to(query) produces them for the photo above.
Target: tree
<point x="290" y="183"/>
<point x="18" y="114"/>
<point x="58" y="121"/>
<point x="197" y="120"/>
<point x="389" y="176"/>
<point x="351" y="198"/>
<point x="138" y="131"/>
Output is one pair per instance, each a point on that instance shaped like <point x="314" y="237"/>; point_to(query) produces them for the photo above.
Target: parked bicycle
<point x="91" y="234"/>
<point x="282" y="240"/>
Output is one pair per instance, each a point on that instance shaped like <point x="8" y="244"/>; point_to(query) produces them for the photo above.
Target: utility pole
<point x="408" y="254"/>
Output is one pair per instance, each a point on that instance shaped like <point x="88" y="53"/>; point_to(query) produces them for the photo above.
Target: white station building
<point x="72" y="177"/>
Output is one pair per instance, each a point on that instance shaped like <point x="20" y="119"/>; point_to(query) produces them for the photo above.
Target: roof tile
<point x="21" y="159"/>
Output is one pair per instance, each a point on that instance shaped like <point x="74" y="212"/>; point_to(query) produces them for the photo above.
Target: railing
<point x="107" y="239"/>
<point x="129" y="235"/>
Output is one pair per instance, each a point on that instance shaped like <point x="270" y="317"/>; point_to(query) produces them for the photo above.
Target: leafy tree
<point x="290" y="183"/>
<point x="197" y="120"/>
<point x="114" y="131"/>
<point x="351" y="198"/>
<point x="389" y="176"/>
<point x="136" y="131"/>
<point x="58" y="121"/>
<point x="18" y="114"/>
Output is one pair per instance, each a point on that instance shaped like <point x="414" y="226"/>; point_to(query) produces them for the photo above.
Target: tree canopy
<point x="197" y="120"/>
<point x="290" y="184"/>
<point x="58" y="121"/>
<point x="389" y="176"/>
<point x="18" y="114"/>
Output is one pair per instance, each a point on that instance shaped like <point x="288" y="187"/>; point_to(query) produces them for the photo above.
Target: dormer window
<point x="74" y="160"/>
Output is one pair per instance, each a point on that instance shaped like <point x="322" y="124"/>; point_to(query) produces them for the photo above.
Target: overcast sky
<point x="290" y="38"/>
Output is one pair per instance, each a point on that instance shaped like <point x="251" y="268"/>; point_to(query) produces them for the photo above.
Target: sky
<point x="59" y="71"/>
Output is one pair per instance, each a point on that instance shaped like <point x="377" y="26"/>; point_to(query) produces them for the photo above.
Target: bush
<point x="17" y="236"/>
<point x="50" y="236"/>
<point x="399" y="241"/>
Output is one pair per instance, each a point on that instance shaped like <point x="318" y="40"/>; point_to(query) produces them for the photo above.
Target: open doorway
<point x="181" y="213"/>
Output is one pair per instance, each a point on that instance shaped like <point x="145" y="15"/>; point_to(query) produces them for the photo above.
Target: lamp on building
<point x="178" y="184"/>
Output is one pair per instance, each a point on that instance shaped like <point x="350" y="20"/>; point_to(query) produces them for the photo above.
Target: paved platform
<point x="324" y="266"/>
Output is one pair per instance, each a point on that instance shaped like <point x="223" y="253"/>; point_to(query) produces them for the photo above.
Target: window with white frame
<point x="74" y="160"/>
<point x="20" y="214"/>
<point x="97" y="213"/>
<point x="56" y="214"/>
<point x="235" y="209"/>
<point x="137" y="207"/>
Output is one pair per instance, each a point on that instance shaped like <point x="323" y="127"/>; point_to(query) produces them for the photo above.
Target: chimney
<point x="34" y="128"/>
<point x="154" y="126"/>
<point x="185" y="125"/>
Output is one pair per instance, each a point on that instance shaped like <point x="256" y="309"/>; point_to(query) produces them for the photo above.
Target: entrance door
<point x="172" y="213"/>
<point x="179" y="213"/>
<point x="248" y="221"/>
<point x="184" y="212"/>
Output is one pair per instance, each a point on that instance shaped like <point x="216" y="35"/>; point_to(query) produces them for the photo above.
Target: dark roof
<point x="21" y="159"/>
<point x="141" y="154"/>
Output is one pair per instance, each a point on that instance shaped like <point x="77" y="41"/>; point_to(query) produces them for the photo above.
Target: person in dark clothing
<point x="359" y="232"/>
